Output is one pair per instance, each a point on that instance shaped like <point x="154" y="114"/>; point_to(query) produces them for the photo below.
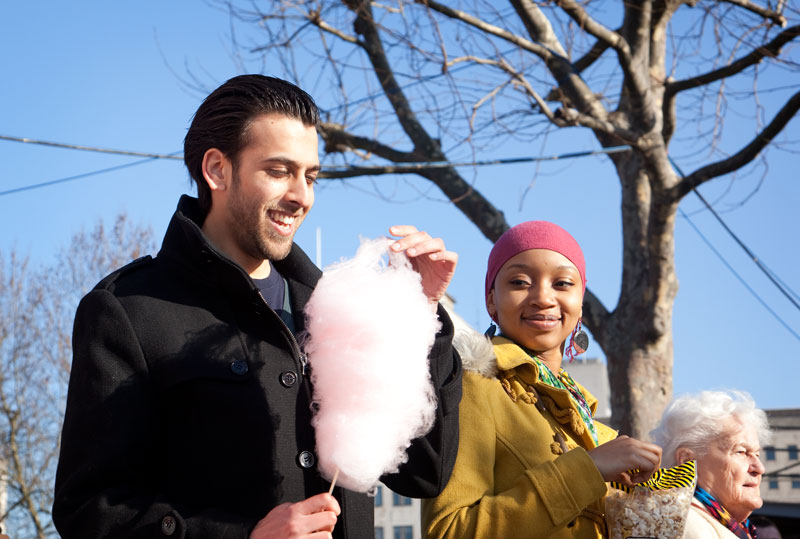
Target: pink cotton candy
<point x="370" y="329"/>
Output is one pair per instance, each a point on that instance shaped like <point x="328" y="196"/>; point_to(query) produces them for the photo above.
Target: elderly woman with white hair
<point x="723" y="431"/>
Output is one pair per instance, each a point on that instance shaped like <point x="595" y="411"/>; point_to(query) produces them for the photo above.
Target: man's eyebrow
<point x="289" y="162"/>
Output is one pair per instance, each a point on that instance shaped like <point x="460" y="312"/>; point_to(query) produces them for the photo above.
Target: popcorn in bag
<point x="654" y="509"/>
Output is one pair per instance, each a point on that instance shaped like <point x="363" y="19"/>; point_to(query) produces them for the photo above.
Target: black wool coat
<point x="188" y="413"/>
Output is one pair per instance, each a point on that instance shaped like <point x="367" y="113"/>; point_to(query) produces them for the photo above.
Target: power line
<point x="739" y="277"/>
<point x="414" y="166"/>
<point x="76" y="177"/>
<point x="396" y="168"/>
<point x="785" y="290"/>
<point x="90" y="148"/>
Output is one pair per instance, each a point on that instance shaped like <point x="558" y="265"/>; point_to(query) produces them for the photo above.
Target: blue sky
<point x="108" y="74"/>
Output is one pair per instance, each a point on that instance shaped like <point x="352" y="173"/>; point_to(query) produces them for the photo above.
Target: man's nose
<point x="300" y="191"/>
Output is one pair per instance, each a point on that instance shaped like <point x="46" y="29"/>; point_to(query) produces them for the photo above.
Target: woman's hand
<point x="428" y="257"/>
<point x="626" y="460"/>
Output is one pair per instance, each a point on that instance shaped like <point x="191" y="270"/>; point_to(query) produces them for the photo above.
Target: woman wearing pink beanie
<point x="532" y="462"/>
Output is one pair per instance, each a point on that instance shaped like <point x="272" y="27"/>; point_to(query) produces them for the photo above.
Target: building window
<point x="378" y="532"/>
<point x="400" y="500"/>
<point x="769" y="453"/>
<point x="792" y="452"/>
<point x="403" y="532"/>
<point x="795" y="483"/>
<point x="773" y="484"/>
<point x="379" y="500"/>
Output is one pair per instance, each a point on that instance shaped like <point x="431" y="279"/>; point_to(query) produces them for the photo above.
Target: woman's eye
<point x="519" y="282"/>
<point x="564" y="284"/>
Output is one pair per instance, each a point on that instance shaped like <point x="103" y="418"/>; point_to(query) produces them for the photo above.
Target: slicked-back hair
<point x="223" y="120"/>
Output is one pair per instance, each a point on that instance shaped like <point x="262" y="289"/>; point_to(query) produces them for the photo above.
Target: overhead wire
<point x="425" y="165"/>
<point x="397" y="168"/>
<point x="779" y="284"/>
<point x="89" y="148"/>
<point x="75" y="177"/>
<point x="739" y="277"/>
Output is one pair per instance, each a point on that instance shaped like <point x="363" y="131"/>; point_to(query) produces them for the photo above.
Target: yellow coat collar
<point x="513" y="360"/>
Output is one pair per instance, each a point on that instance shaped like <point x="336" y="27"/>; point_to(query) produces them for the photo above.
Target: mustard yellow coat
<point x="511" y="477"/>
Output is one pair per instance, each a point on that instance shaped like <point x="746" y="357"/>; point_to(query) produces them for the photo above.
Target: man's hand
<point x="626" y="460"/>
<point x="314" y="517"/>
<point x="428" y="257"/>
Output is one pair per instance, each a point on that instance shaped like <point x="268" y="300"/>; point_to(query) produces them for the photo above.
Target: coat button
<point x="306" y="459"/>
<point x="239" y="366"/>
<point x="288" y="378"/>
<point x="168" y="525"/>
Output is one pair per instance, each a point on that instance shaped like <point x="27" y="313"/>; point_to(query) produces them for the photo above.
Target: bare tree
<point x="36" y="310"/>
<point x="410" y="78"/>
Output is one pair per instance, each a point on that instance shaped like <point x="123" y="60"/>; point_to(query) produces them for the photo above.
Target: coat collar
<point x="501" y="357"/>
<point x="184" y="243"/>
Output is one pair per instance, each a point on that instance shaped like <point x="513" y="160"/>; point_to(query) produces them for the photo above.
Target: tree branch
<point x="538" y="27"/>
<point x="542" y="52"/>
<point x="365" y="26"/>
<point x="588" y="111"/>
<point x="635" y="81"/>
<point x="316" y="20"/>
<point x="489" y="220"/>
<point x="337" y="140"/>
<point x="612" y="38"/>
<point x="743" y="156"/>
<point x="600" y="46"/>
<point x="771" y="49"/>
<point x="774" y="16"/>
<point x="595" y="315"/>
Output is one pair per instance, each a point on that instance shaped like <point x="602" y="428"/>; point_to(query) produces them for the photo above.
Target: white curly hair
<point x="694" y="420"/>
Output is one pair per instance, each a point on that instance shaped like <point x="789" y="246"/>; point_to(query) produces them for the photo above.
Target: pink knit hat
<point x="534" y="235"/>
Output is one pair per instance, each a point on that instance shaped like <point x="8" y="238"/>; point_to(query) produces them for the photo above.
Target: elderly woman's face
<point x="731" y="469"/>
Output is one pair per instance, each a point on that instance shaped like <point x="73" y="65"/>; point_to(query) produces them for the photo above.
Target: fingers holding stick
<point x="333" y="481"/>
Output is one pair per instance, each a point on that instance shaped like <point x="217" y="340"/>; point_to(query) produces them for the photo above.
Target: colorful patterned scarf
<point x="742" y="530"/>
<point x="565" y="381"/>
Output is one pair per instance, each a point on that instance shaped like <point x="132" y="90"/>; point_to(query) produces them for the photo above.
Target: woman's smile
<point x="544" y="322"/>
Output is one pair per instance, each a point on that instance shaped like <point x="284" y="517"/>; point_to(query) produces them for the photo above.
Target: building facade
<point x="781" y="482"/>
<point x="780" y="485"/>
<point x="396" y="517"/>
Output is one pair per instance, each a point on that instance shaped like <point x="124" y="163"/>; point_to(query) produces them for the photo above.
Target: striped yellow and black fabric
<point x="683" y="475"/>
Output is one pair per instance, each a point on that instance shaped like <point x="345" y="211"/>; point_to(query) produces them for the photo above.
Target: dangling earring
<point x="491" y="330"/>
<point x="580" y="342"/>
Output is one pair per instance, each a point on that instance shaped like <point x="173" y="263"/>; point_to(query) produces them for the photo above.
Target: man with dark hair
<point x="189" y="406"/>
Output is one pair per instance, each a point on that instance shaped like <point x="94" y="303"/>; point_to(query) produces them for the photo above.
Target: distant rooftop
<point x="787" y="418"/>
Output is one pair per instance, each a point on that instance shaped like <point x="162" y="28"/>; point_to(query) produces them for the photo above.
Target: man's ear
<point x="217" y="170"/>
<point x="684" y="454"/>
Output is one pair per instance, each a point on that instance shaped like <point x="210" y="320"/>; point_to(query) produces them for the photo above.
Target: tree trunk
<point x="640" y="376"/>
<point x="637" y="337"/>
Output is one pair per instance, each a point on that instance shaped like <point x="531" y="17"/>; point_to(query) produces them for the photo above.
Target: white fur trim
<point x="476" y="351"/>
